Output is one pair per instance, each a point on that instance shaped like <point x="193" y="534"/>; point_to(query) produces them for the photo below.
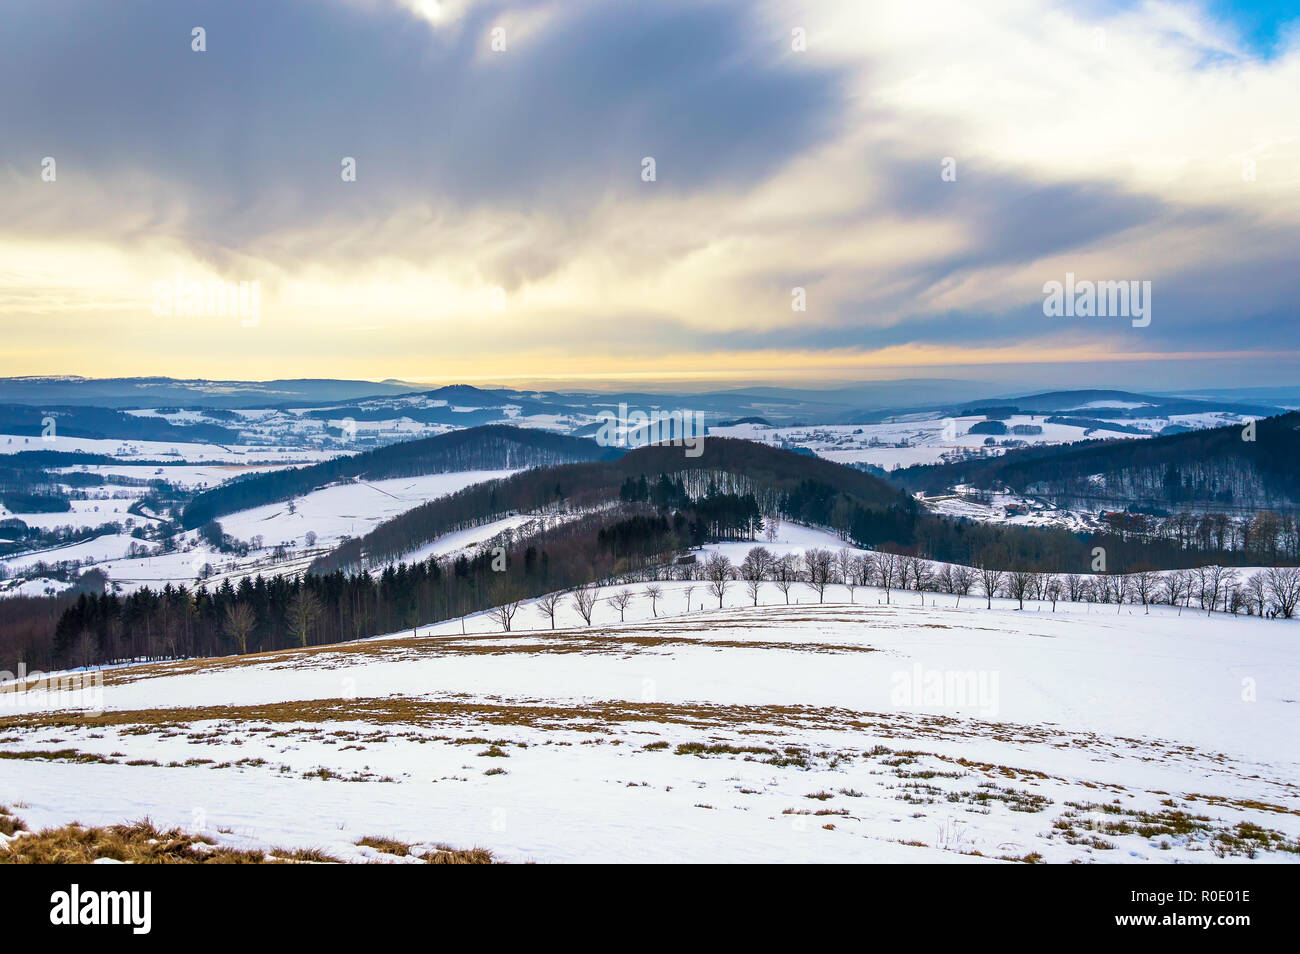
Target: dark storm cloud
<point x="244" y="138"/>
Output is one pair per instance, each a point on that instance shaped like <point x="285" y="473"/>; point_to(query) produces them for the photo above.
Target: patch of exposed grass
<point x="1244" y="839"/>
<point x="143" y="843"/>
<point x="1242" y="804"/>
<point x="9" y="822"/>
<point x="138" y="843"/>
<point x="1017" y="801"/>
<point x="54" y="755"/>
<point x="389" y="846"/>
<point x="702" y="749"/>
<point x="446" y="855"/>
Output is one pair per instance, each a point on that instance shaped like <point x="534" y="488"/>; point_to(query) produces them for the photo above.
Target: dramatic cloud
<point x="918" y="169"/>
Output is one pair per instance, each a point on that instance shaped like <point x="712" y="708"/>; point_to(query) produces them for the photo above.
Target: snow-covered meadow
<point x="809" y="732"/>
<point x="304" y="527"/>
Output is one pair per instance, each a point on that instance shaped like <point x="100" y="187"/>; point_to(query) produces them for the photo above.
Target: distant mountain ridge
<point x="145" y="392"/>
<point x="100" y="423"/>
<point x="1115" y="404"/>
<point x="462" y="405"/>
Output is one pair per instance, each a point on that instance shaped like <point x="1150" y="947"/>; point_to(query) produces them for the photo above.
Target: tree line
<point x="278" y="612"/>
<point x="1272" y="593"/>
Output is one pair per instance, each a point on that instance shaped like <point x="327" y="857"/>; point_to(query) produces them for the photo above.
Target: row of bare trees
<point x="1269" y="593"/>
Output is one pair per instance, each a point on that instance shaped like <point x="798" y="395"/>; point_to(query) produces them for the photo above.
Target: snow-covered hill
<point x="833" y="732"/>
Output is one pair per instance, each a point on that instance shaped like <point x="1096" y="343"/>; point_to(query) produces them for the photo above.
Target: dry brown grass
<point x="1241" y="804"/>
<point x="143" y="843"/>
<point x="436" y="713"/>
<point x="438" y="855"/>
<point x="389" y="846"/>
<point x="446" y="855"/>
<point x="593" y="716"/>
<point x="138" y="843"/>
<point x="9" y="823"/>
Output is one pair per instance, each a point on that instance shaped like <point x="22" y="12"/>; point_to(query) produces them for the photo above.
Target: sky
<point x="842" y="190"/>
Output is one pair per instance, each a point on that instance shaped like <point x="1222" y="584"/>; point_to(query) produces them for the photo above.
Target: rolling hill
<point x="1214" y="468"/>
<point x="799" y="486"/>
<point x="491" y="447"/>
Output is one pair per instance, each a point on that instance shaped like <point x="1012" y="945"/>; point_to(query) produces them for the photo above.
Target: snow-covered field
<point x="328" y="515"/>
<point x="464" y="541"/>
<point x="108" y="546"/>
<point x="349" y="509"/>
<point x="919" y="439"/>
<point x="190" y="477"/>
<point x="831" y="732"/>
<point x="1027" y="512"/>
<point x="90" y="512"/>
<point x="163" y="450"/>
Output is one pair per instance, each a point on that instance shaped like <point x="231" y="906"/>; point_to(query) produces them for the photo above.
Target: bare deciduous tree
<point x="864" y="568"/>
<point x="843" y="562"/>
<point x="1215" y="583"/>
<point x="549" y="605"/>
<point x="754" y="569"/>
<point x="917" y="573"/>
<point x="990" y="577"/>
<point x="584" y="601"/>
<point x="963" y="578"/>
<point x="503" y="614"/>
<point x="820" y="566"/>
<point x="1122" y="590"/>
<point x="1284" y="589"/>
<point x="621" y="601"/>
<point x="239" y="623"/>
<point x="717" y="572"/>
<point x="1257" y="591"/>
<point x="943" y="579"/>
<point x="1019" y="582"/>
<point x="654" y="593"/>
<point x="785" y="574"/>
<point x="888" y="569"/>
<point x="853" y="576"/>
<point x="1145" y="584"/>
<point x="302" y="612"/>
<point x="1052" y="588"/>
